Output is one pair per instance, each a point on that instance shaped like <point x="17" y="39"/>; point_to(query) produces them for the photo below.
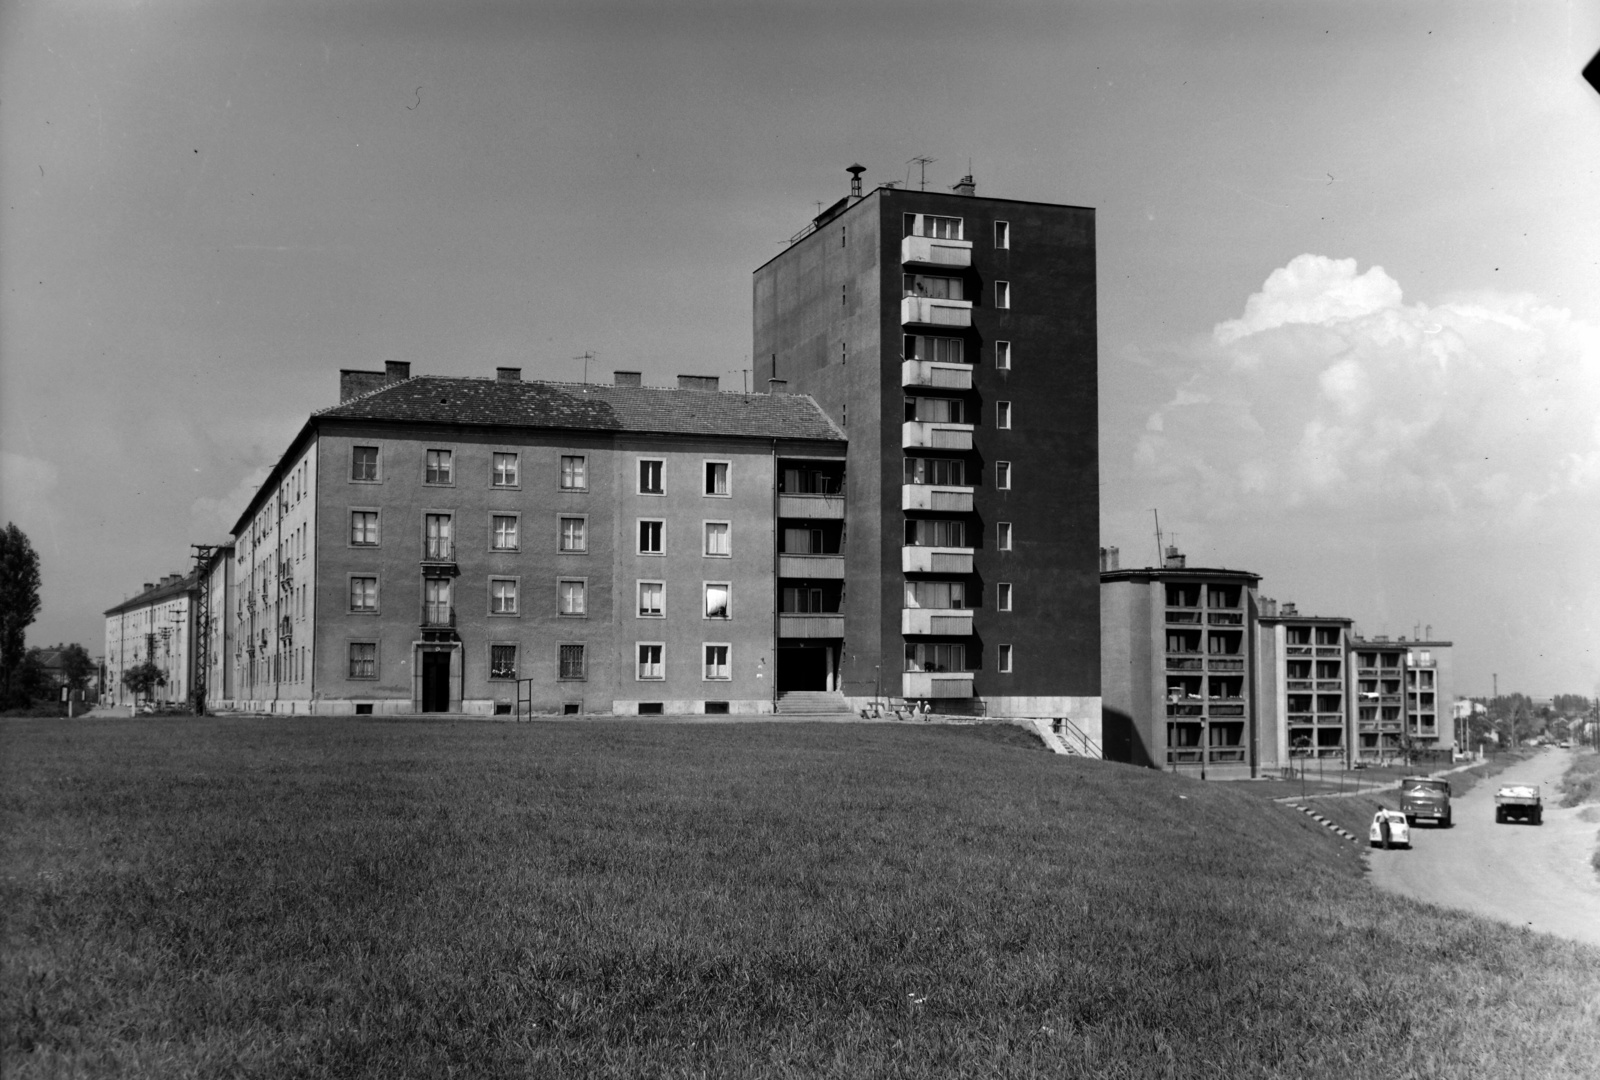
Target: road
<point x="1538" y="877"/>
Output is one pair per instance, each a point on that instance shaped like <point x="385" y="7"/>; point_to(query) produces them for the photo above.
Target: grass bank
<point x="1581" y="784"/>
<point x="309" y="898"/>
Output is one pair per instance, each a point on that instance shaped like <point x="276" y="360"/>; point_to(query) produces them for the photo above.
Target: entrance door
<point x="802" y="668"/>
<point x="435" y="681"/>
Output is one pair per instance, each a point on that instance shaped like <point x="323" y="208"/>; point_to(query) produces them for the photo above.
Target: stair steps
<point x="812" y="703"/>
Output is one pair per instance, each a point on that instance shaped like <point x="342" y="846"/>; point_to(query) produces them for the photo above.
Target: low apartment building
<point x="156" y="625"/>
<point x="1303" y="670"/>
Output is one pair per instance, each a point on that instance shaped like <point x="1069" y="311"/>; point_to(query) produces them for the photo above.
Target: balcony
<point x="928" y="311"/>
<point x="1329" y="650"/>
<point x="1190" y="618"/>
<point x="812" y="567"/>
<point x="1299" y="684"/>
<point x="936" y="373"/>
<point x="1225" y="618"/>
<point x="1226" y="710"/>
<point x="1179" y="663"/>
<point x="828" y="624"/>
<point x="936" y="560"/>
<point x="435" y="616"/>
<point x="930" y="251"/>
<point x="917" y="434"/>
<point x="811" y="507"/>
<point x="942" y="684"/>
<point x="955" y="500"/>
<point x="1298" y="650"/>
<point x="438" y="554"/>
<point x="1224" y="664"/>
<point x="950" y="622"/>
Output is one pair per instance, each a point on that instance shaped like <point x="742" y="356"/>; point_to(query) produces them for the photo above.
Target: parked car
<point x="1518" y="802"/>
<point x="1389" y="827"/>
<point x="1424" y="798"/>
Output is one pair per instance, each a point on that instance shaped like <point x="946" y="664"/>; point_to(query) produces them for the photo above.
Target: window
<point x="364" y="594"/>
<point x="717" y="662"/>
<point x="573" y="533"/>
<point x="650" y="536"/>
<point x="947" y="471"/>
<point x="797" y="601"/>
<point x="1002" y="355"/>
<point x="503" y="532"/>
<point x="936" y="595"/>
<point x="940" y="228"/>
<point x="936" y="533"/>
<point x="574" y="473"/>
<point x="504" y="471"/>
<point x="936" y="657"/>
<point x="650" y="663"/>
<point x="1002" y="234"/>
<point x="935" y="288"/>
<point x="502" y="661"/>
<point x="942" y="350"/>
<point x="929" y="410"/>
<point x="652" y="599"/>
<point x="716" y="478"/>
<point x="571" y="661"/>
<point x="1002" y="596"/>
<point x="1003" y="536"/>
<point x="363" y="659"/>
<point x="572" y="596"/>
<point x="437" y="542"/>
<point x="1002" y="414"/>
<point x="650" y="477"/>
<point x="717" y="539"/>
<point x="1002" y="294"/>
<point x="502" y="596"/>
<point x="364" y="528"/>
<point x="1005" y="659"/>
<point x="438" y="467"/>
<point x="364" y="463"/>
<point x="718" y="598"/>
<point x="1002" y="475"/>
<point x="801" y="542"/>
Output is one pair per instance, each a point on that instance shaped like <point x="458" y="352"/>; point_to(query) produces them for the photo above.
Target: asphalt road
<point x="1538" y="877"/>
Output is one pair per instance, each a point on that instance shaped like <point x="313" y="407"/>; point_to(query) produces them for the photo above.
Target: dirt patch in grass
<point x="1581" y="784"/>
<point x="311" y="898"/>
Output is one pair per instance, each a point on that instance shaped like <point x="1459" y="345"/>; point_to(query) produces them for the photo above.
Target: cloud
<point x="1329" y="392"/>
<point x="214" y="517"/>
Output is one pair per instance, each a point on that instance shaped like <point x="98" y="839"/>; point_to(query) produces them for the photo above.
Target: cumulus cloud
<point x="1330" y="391"/>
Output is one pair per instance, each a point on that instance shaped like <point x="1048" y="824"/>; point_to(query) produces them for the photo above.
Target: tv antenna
<point x="924" y="162"/>
<point x="1159" y="555"/>
<point x="588" y="354"/>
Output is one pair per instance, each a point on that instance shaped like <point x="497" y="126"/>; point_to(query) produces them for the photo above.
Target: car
<point x="1565" y="744"/>
<point x="1389" y="828"/>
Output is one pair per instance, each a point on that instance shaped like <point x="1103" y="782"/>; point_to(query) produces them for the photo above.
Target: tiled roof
<point x="591" y="407"/>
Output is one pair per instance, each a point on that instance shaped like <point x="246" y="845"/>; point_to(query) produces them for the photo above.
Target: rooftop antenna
<point x="1159" y="548"/>
<point x="924" y="162"/>
<point x="586" y="357"/>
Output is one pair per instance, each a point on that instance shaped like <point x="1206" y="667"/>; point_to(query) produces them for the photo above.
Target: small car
<point x="1389" y="828"/>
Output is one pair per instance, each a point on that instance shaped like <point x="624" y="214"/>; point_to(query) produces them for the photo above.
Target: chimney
<point x="628" y="378"/>
<point x="1269" y="607"/>
<point x="1110" y="559"/>
<point x="965" y="186"/>
<point x="396" y="371"/>
<point x="777" y="386"/>
<point x="148" y="586"/>
<point x="353" y="383"/>
<point x="855" y="172"/>
<point x="508" y="374"/>
<point x="1290" y="610"/>
<point x="1175" y="559"/>
<point x="698" y="382"/>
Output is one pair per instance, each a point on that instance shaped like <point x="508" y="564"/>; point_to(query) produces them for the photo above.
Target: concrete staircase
<point x="812" y="703"/>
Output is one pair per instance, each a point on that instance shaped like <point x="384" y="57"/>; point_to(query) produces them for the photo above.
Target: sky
<point x="1348" y="256"/>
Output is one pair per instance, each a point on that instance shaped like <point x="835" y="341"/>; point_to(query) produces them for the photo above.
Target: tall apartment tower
<point x="953" y="339"/>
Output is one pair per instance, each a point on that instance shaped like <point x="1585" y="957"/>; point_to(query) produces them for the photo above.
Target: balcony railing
<point x="435" y="549"/>
<point x="1329" y="650"/>
<point x="1299" y="684"/>
<point x="1227" y="710"/>
<point x="1177" y="663"/>
<point x="1225" y="665"/>
<point x="1225" y="618"/>
<point x="918" y="434"/>
<point x="811" y="507"/>
<point x="810" y="625"/>
<point x="930" y="251"/>
<point x="1181" y="618"/>
<point x="951" y="622"/>
<point x="936" y="373"/>
<point x="928" y="311"/>
<point x="812" y="567"/>
<point x="950" y="499"/>
<point x="1298" y="650"/>
<point x="434" y="616"/>
<point x="936" y="684"/>
<point x="936" y="560"/>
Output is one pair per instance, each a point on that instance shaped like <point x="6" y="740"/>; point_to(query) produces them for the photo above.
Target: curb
<point x="1324" y="822"/>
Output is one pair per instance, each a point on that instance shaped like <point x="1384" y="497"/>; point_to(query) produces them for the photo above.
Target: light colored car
<point x="1389" y="829"/>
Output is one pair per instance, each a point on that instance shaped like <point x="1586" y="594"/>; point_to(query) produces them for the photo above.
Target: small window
<point x="1002" y="234"/>
<point x="364" y="660"/>
<point x="574" y="473"/>
<point x="1002" y="355"/>
<point x="364" y="464"/>
<point x="502" y="596"/>
<point x="570" y="659"/>
<point x="503" y="532"/>
<point x="651" y="540"/>
<point x="1002" y="596"/>
<point x="502" y="661"/>
<point x="504" y="472"/>
<point x="718" y="599"/>
<point x="571" y="708"/>
<point x="651" y="665"/>
<point x="573" y="534"/>
<point x="652" y="599"/>
<point x="364" y="528"/>
<point x="438" y="467"/>
<point x="572" y="596"/>
<point x="716" y="478"/>
<point x="1002" y="415"/>
<point x="717" y="664"/>
<point x="716" y="708"/>
<point x="1002" y="294"/>
<point x="651" y="708"/>
<point x="1005" y="659"/>
<point x="363" y="708"/>
<point x="1003" y="536"/>
<point x="1002" y="475"/>
<point x="650" y="477"/>
<point x="717" y="539"/>
<point x="364" y="594"/>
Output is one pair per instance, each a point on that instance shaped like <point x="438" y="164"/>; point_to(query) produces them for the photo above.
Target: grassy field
<point x="349" y="898"/>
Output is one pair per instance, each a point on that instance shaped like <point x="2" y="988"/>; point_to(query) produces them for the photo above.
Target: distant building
<point x="155" y="625"/>
<point x="1303" y="669"/>
<point x="1430" y="699"/>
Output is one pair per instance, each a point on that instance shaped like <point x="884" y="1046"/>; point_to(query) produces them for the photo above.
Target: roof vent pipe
<point x="855" y="172"/>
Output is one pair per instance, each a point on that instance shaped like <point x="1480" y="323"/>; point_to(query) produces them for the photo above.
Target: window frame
<point x="727" y="478"/>
<point x="661" y="476"/>
<point x="1002" y="476"/>
<point x="661" y="537"/>
<point x="515" y="660"/>
<point x="705" y="536"/>
<point x="639" y="661"/>
<point x="515" y="517"/>
<point x="705" y="601"/>
<point x="583" y="584"/>
<point x="450" y="517"/>
<point x="449" y="466"/>
<point x="561" y="472"/>
<point x="1003" y="658"/>
<point x="583" y="525"/>
<point x="377" y="465"/>
<point x="640" y="584"/>
<point x="1002" y="295"/>
<point x="494" y="471"/>
<point x="377" y="528"/>
<point x="1002" y="355"/>
<point x="515" y="581"/>
<point x="349" y="665"/>
<point x="1002" y="416"/>
<point x="1003" y="538"/>
<point x="1002" y="596"/>
<point x="350" y="597"/>
<point x="583" y="661"/>
<point x="705" y="661"/>
<point x="1002" y="235"/>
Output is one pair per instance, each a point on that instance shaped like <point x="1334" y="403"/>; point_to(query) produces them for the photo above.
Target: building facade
<point x="155" y="625"/>
<point x="953" y="339"/>
<point x="1303" y="674"/>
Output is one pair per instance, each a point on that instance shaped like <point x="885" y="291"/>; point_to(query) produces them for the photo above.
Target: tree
<point x="143" y="678"/>
<point x="19" y="601"/>
<point x="77" y="666"/>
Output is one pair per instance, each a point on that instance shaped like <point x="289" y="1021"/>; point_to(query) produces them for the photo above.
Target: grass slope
<point x="346" y="898"/>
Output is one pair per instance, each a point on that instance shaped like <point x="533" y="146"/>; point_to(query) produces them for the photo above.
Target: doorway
<point x="436" y="681"/>
<point x="804" y="668"/>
